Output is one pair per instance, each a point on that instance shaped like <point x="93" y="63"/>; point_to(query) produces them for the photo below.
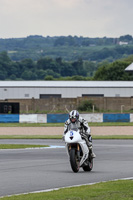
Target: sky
<point x="86" y="18"/>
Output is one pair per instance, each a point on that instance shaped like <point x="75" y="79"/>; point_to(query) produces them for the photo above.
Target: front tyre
<point x="74" y="160"/>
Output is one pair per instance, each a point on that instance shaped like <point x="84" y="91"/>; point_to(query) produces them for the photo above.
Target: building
<point x="129" y="68"/>
<point x="123" y="43"/>
<point x="64" y="89"/>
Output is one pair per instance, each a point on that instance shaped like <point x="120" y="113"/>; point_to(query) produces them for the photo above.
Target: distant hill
<point x="68" y="48"/>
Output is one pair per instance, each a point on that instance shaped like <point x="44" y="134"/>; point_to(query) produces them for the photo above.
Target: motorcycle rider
<point x="76" y="121"/>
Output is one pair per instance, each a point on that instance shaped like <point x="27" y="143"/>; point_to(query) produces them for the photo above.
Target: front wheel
<point x="74" y="160"/>
<point x="89" y="165"/>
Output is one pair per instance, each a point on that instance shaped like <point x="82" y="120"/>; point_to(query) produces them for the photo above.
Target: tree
<point x="13" y="77"/>
<point x="28" y="63"/>
<point x="89" y="68"/>
<point x="50" y="72"/>
<point x="78" y="66"/>
<point x="78" y="78"/>
<point x="48" y="77"/>
<point x="29" y="75"/>
<point x="67" y="69"/>
<point x="114" y="71"/>
<point x="3" y="74"/>
<point x="125" y="38"/>
<point x="4" y="57"/>
<point x="47" y="63"/>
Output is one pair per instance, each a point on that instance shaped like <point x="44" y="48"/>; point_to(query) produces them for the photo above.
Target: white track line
<point x="50" y="147"/>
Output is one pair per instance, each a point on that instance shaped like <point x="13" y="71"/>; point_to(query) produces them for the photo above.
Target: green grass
<point x="118" y="137"/>
<point x="60" y="137"/>
<point x="62" y="124"/>
<point x="112" y="190"/>
<point x="31" y="124"/>
<point x="30" y="137"/>
<point x="20" y="146"/>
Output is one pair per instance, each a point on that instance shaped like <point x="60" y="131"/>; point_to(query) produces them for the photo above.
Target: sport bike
<point x="78" y="151"/>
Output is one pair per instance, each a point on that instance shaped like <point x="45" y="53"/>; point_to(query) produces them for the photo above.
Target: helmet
<point x="74" y="116"/>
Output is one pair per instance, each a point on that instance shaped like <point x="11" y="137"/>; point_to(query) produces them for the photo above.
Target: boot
<point x="93" y="155"/>
<point x="89" y="144"/>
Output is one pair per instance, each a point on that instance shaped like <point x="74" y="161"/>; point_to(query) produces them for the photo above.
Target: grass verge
<point x="119" y="190"/>
<point x="31" y="124"/>
<point x="129" y="137"/>
<point x="20" y="146"/>
<point x="30" y="137"/>
<point x="62" y="124"/>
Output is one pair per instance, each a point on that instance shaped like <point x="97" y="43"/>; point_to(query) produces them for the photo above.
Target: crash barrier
<point x="116" y="117"/>
<point x="61" y="118"/>
<point x="8" y="118"/>
<point x="57" y="118"/>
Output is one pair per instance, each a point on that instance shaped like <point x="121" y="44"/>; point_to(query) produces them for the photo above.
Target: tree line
<point x="47" y="68"/>
<point x="68" y="48"/>
<point x="43" y="69"/>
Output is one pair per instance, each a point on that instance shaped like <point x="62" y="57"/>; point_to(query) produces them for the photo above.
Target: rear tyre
<point x="74" y="160"/>
<point x="90" y="164"/>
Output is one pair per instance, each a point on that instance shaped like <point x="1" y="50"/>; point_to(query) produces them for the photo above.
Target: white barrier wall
<point x="131" y="117"/>
<point x="33" y="118"/>
<point x="28" y="118"/>
<point x="93" y="117"/>
<point x="41" y="118"/>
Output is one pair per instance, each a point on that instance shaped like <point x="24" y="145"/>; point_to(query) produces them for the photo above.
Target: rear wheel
<point x="90" y="164"/>
<point x="74" y="160"/>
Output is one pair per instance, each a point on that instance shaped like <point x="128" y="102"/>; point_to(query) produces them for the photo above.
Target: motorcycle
<point x="78" y="151"/>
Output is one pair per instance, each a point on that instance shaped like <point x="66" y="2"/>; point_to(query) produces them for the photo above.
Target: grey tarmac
<point x="30" y="170"/>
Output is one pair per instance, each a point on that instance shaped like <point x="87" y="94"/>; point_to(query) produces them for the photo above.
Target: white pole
<point x="93" y="108"/>
<point x="122" y="106"/>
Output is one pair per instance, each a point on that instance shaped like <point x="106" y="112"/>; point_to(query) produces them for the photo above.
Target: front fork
<point x="78" y="151"/>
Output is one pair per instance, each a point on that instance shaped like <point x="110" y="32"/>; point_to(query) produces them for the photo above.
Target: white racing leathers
<point x="83" y="127"/>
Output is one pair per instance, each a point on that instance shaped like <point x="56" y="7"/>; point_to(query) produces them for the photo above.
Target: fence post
<point x="122" y="106"/>
<point x="93" y="108"/>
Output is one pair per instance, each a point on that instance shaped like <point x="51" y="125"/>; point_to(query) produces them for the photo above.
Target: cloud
<point x="91" y="18"/>
<point x="67" y="4"/>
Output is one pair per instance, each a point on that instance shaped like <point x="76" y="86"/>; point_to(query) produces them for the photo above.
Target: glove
<point x="63" y="137"/>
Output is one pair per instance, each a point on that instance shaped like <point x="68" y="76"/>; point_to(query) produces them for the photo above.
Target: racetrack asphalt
<point x="29" y="170"/>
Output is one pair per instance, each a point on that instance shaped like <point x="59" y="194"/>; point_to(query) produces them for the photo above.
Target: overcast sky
<point x="87" y="18"/>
